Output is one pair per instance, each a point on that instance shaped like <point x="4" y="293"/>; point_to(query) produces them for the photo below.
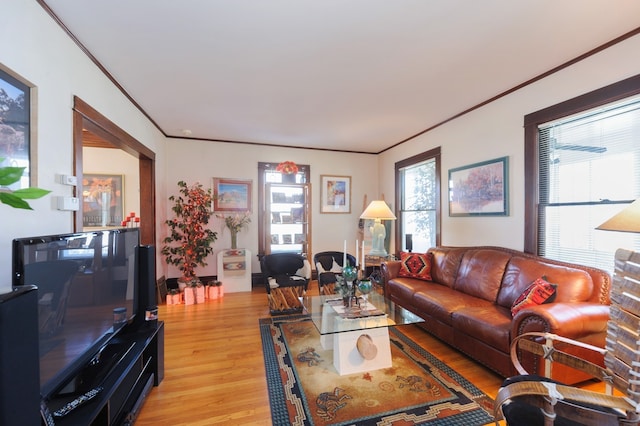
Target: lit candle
<point x="357" y="258"/>
<point x="344" y="254"/>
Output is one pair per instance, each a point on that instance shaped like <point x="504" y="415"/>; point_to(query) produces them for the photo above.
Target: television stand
<point x="130" y="368"/>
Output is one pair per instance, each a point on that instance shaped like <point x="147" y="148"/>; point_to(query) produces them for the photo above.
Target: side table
<point x="234" y="269"/>
<point x="372" y="267"/>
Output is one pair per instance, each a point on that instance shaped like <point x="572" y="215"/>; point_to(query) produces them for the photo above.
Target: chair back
<point x="329" y="264"/>
<point x="327" y="259"/>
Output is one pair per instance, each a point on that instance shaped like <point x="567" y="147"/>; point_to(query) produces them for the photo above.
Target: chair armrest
<point x="572" y="320"/>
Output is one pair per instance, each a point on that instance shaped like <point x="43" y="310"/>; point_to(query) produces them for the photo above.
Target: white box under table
<point x="342" y="329"/>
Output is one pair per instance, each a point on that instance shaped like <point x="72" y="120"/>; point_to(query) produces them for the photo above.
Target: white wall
<point x="207" y="160"/>
<point x="34" y="47"/>
<point x="496" y="130"/>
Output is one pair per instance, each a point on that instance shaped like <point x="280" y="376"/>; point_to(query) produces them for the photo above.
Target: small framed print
<point x="286" y="239"/>
<point x="275" y="239"/>
<point x="335" y="194"/>
<point x="231" y="195"/>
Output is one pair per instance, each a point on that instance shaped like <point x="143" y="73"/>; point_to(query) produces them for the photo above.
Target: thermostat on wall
<point x="68" y="203"/>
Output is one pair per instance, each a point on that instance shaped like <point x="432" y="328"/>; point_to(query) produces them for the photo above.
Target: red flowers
<point x="287" y="167"/>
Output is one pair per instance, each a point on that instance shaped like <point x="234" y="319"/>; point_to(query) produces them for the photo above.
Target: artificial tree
<point x="189" y="242"/>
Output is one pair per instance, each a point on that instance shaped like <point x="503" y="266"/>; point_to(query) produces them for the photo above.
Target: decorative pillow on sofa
<point x="416" y="265"/>
<point x="539" y="292"/>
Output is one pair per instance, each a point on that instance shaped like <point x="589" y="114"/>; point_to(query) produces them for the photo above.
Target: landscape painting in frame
<point x="102" y="203"/>
<point x="231" y="195"/>
<point x="335" y="194"/>
<point x="15" y="127"/>
<point x="479" y="189"/>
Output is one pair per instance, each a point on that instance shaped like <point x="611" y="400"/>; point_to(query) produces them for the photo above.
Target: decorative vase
<point x="234" y="239"/>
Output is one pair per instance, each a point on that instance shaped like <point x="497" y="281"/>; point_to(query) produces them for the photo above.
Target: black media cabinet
<point x="126" y="385"/>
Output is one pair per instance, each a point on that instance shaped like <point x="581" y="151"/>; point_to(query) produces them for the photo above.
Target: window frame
<point x="614" y="92"/>
<point x="434" y="154"/>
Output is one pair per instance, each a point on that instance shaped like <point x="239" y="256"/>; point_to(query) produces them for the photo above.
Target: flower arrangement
<point x="16" y="199"/>
<point x="287" y="167"/>
<point x="236" y="223"/>
<point x="189" y="242"/>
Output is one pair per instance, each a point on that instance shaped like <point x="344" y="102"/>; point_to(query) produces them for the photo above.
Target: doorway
<point x="92" y="129"/>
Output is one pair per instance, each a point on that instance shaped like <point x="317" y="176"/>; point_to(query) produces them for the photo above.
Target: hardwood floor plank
<point x="214" y="369"/>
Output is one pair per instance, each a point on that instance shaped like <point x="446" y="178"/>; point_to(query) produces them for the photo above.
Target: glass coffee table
<point x="359" y="336"/>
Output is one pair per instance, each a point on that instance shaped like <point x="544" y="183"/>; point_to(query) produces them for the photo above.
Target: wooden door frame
<point x="87" y="118"/>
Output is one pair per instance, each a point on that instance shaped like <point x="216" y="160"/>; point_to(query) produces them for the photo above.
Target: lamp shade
<point x="628" y="220"/>
<point x="378" y="209"/>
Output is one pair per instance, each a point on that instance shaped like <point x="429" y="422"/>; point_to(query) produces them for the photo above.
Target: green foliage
<point x="15" y="199"/>
<point x="189" y="242"/>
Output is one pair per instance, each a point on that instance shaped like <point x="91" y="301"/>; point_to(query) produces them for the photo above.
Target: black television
<point x="87" y="291"/>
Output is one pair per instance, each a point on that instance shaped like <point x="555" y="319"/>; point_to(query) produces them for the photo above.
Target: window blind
<point x="589" y="169"/>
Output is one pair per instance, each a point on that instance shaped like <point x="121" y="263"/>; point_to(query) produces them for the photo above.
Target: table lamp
<point x="378" y="211"/>
<point x="628" y="220"/>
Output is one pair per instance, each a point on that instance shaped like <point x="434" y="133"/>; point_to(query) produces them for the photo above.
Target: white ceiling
<point x="352" y="75"/>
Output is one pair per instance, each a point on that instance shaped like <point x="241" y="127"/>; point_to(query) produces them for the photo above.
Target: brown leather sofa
<point x="468" y="303"/>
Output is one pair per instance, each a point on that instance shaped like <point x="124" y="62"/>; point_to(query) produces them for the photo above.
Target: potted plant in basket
<point x="189" y="242"/>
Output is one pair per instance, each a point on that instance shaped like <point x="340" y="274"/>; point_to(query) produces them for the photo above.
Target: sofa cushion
<point x="441" y="302"/>
<point x="415" y="265"/>
<point x="540" y="291"/>
<point x="574" y="285"/>
<point x="490" y="324"/>
<point x="445" y="263"/>
<point x="481" y="272"/>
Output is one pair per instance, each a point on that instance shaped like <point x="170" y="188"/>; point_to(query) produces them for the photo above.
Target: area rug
<point x="305" y="388"/>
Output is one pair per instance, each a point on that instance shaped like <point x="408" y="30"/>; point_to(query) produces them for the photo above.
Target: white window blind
<point x="418" y="205"/>
<point x="589" y="169"/>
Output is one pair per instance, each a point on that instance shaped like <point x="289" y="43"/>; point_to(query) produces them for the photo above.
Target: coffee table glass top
<point x="330" y="316"/>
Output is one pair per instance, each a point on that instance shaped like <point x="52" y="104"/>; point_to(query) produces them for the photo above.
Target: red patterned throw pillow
<point x="539" y="292"/>
<point x="416" y="265"/>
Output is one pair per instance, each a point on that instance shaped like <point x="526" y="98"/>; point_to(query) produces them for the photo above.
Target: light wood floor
<point x="214" y="369"/>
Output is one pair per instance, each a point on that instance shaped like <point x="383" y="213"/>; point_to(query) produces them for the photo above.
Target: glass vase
<point x="234" y="240"/>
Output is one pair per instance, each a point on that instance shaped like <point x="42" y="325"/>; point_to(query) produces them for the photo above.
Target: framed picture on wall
<point x="231" y="195"/>
<point x="480" y="189"/>
<point x="15" y="128"/>
<point x="335" y="194"/>
<point x="102" y="203"/>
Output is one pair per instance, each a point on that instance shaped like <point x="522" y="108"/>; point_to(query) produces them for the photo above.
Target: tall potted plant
<point x="189" y="242"/>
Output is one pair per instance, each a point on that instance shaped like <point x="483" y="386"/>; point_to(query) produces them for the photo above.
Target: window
<point x="587" y="152"/>
<point x="267" y="173"/>
<point x="418" y="201"/>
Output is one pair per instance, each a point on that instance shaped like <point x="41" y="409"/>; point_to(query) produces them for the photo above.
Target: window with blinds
<point x="589" y="169"/>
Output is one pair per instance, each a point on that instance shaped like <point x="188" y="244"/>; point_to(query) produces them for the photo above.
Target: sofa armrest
<point x="389" y="270"/>
<point x="572" y="320"/>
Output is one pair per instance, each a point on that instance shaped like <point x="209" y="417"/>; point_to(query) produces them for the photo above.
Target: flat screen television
<point x="87" y="291"/>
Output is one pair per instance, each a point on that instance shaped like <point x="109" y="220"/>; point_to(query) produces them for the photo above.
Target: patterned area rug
<point x="305" y="388"/>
